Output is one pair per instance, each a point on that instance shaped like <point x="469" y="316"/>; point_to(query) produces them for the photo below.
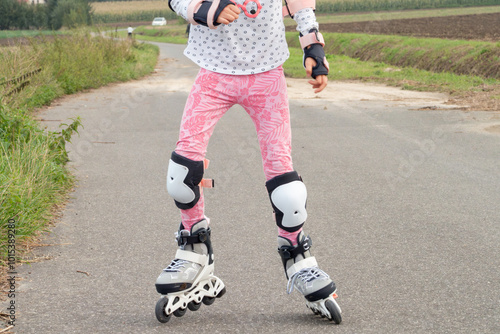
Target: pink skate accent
<point x="207" y="183"/>
<point x="292" y="236"/>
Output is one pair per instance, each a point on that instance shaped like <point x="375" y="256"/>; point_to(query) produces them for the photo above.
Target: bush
<point x="15" y="15"/>
<point x="54" y="15"/>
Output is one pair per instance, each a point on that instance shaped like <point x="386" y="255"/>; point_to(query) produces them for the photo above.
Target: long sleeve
<point x="306" y="20"/>
<point x="180" y="7"/>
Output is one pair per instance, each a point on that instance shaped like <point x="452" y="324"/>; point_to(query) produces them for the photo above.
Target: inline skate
<point x="304" y="275"/>
<point x="189" y="281"/>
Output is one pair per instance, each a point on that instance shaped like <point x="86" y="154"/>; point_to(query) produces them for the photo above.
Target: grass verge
<point x="33" y="173"/>
<point x="473" y="58"/>
<point x="27" y="33"/>
<point x="346" y="68"/>
<point x="167" y="34"/>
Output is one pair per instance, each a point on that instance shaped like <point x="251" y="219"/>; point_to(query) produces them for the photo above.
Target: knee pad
<point x="288" y="197"/>
<point x="183" y="179"/>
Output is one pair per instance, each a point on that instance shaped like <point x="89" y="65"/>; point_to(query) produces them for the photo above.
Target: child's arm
<point x="311" y="41"/>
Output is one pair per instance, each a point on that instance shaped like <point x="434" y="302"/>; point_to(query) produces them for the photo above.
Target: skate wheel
<point x="180" y="312"/>
<point x="334" y="311"/>
<point x="222" y="292"/>
<point x="208" y="300"/>
<point x="194" y="306"/>
<point x="161" y="315"/>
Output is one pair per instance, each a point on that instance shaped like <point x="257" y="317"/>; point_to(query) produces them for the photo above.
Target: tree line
<point x="54" y="14"/>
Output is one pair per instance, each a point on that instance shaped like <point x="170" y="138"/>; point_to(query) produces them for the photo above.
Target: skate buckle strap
<point x="199" y="237"/>
<point x="191" y="257"/>
<point x="288" y="252"/>
<point x="302" y="264"/>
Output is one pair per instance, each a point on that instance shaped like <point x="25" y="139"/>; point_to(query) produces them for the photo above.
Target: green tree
<point x="7" y="9"/>
<point x="15" y="15"/>
<point x="68" y="13"/>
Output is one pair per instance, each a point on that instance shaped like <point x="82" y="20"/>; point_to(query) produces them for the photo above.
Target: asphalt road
<point x="403" y="208"/>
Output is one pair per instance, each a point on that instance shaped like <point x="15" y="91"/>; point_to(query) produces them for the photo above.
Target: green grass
<point x="345" y="68"/>
<point x="71" y="64"/>
<point x="33" y="175"/>
<point x="27" y="33"/>
<point x="474" y="58"/>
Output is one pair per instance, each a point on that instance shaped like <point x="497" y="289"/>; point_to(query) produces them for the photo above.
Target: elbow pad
<point x="206" y="12"/>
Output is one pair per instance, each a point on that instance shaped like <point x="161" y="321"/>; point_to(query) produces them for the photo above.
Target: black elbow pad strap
<point x="316" y="52"/>
<point x="202" y="14"/>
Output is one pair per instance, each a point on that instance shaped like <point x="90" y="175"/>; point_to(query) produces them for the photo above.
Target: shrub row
<point x="53" y="15"/>
<point x="143" y="15"/>
<point x="336" y="6"/>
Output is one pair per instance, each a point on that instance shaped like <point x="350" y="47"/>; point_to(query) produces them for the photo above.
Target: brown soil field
<point x="469" y="27"/>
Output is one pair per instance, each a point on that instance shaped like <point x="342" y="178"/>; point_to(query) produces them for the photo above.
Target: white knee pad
<point x="183" y="178"/>
<point x="288" y="196"/>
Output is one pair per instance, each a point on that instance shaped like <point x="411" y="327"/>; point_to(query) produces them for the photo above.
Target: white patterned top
<point x="254" y="43"/>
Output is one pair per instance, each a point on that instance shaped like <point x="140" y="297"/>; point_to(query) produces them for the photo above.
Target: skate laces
<point x="176" y="265"/>
<point x="305" y="275"/>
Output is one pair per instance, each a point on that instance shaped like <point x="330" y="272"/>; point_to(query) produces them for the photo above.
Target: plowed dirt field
<point x="470" y="27"/>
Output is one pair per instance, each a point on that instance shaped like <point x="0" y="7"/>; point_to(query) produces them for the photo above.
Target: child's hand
<point x="321" y="80"/>
<point x="228" y="14"/>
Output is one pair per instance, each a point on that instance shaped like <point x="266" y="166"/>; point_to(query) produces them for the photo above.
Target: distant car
<point x="159" y="21"/>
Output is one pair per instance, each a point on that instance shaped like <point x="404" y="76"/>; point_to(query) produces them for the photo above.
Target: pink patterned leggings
<point x="264" y="97"/>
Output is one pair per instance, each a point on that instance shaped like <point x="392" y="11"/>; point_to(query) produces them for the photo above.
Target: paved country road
<point x="403" y="204"/>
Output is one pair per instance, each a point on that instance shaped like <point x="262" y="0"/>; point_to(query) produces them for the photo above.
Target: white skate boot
<point x="188" y="280"/>
<point x="304" y="275"/>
